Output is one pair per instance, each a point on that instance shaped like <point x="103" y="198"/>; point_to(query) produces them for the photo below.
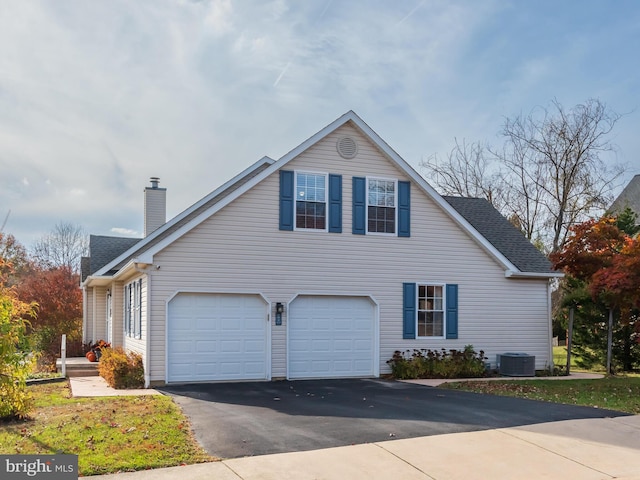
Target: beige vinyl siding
<point x="117" y="308"/>
<point x="240" y="249"/>
<point x="87" y="320"/>
<point x="99" y="322"/>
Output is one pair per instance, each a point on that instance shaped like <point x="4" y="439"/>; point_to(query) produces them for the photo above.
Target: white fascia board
<point x="276" y="165"/>
<point x="96" y="281"/>
<point x="384" y="147"/>
<point x="146" y="258"/>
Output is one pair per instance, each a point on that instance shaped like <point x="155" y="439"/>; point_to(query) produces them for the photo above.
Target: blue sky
<point x="96" y="97"/>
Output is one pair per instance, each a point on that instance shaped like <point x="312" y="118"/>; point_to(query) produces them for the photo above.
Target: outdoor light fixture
<point x="279" y="310"/>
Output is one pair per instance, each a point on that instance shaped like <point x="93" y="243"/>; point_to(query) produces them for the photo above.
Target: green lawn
<point x="560" y="360"/>
<point x="108" y="434"/>
<point x="614" y="393"/>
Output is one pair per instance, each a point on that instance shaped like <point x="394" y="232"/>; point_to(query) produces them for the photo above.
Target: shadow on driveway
<point x="232" y="420"/>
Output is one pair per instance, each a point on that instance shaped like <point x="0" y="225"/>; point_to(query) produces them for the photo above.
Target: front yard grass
<point x="614" y="393"/>
<point x="109" y="434"/>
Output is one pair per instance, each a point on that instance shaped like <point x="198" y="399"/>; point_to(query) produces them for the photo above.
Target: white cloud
<point x="219" y="17"/>
<point x="127" y="232"/>
<point x="97" y="97"/>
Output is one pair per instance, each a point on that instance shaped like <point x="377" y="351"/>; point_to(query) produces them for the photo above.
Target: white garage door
<point x="331" y="337"/>
<point x="216" y="337"/>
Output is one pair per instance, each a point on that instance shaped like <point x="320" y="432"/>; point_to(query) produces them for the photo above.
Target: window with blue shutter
<point x="359" y="205"/>
<point x="429" y="311"/>
<point x="286" y="200"/>
<point x="335" y="203"/>
<point x="404" y="209"/>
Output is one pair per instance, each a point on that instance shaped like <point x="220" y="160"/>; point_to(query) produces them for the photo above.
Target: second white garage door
<point x="216" y="337"/>
<point x="331" y="337"/>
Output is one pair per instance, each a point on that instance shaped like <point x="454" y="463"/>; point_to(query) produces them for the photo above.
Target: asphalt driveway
<point x="232" y="420"/>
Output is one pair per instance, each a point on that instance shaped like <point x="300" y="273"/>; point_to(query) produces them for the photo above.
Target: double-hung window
<point x="133" y="309"/>
<point x="311" y="201"/>
<point x="381" y="205"/>
<point x="431" y="310"/>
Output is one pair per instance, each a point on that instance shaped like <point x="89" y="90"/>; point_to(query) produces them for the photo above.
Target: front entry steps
<point x="78" y="367"/>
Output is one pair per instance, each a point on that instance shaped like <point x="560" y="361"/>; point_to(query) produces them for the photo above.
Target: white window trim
<point x="444" y="309"/>
<point x="133" y="309"/>
<point x="295" y="201"/>
<point x="395" y="206"/>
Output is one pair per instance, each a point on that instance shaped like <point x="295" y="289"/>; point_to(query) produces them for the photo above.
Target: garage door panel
<point x="331" y="337"/>
<point x="252" y="347"/>
<point x="205" y="347"/>
<point x="217" y="337"/>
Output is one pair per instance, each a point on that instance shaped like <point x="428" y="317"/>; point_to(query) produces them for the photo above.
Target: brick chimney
<point x="155" y="206"/>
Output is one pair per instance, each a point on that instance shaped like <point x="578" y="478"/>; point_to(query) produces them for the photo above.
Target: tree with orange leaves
<point x="16" y="358"/>
<point x="59" y="298"/>
<point x="604" y="261"/>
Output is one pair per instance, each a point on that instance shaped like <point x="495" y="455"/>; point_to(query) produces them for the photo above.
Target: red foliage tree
<point x="57" y="293"/>
<point x="607" y="260"/>
<point x="58" y="297"/>
<point x="593" y="245"/>
<point x="619" y="281"/>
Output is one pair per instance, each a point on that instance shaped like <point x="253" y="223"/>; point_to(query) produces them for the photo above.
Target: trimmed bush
<point x="425" y="363"/>
<point x="121" y="369"/>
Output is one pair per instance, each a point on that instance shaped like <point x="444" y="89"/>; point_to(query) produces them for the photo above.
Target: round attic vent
<point x="347" y="147"/>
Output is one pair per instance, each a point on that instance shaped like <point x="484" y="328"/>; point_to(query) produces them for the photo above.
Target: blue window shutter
<point x="404" y="209"/>
<point x="452" y="311"/>
<point x="335" y="203"/>
<point x="359" y="205"/>
<point x="286" y="200"/>
<point x="408" y="310"/>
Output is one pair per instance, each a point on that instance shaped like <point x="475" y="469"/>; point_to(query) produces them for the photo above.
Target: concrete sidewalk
<point x="576" y="449"/>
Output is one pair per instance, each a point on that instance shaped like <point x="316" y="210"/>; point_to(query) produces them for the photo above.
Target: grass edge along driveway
<point x="109" y="434"/>
<point x="614" y="393"/>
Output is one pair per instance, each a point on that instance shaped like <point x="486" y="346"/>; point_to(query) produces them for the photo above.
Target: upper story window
<point x="311" y="201"/>
<point x="381" y="206"/>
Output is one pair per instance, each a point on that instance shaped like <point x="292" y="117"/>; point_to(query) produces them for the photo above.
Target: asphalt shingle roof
<point x="506" y="238"/>
<point x="104" y="249"/>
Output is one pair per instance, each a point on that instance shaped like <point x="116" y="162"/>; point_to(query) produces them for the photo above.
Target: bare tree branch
<point x="63" y="247"/>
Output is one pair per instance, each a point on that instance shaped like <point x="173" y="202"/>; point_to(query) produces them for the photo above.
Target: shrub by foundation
<point x="121" y="369"/>
<point x="424" y="363"/>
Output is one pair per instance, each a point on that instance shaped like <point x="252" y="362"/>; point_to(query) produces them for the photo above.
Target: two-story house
<point x="318" y="265"/>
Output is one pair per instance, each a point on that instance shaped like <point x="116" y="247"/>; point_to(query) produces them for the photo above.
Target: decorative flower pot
<point x="91" y="356"/>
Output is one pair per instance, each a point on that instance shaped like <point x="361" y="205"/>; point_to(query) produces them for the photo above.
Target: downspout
<point x="550" y="316"/>
<point x="145" y="358"/>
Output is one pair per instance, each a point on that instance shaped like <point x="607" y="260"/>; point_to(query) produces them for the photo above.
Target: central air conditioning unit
<point x="517" y="365"/>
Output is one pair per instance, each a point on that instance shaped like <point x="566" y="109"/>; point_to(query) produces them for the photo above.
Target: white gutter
<point x="514" y="274"/>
